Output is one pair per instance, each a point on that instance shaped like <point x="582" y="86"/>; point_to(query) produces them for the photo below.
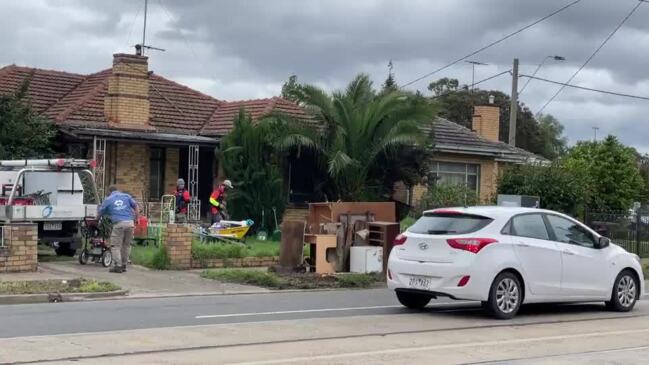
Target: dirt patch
<point x="295" y="280"/>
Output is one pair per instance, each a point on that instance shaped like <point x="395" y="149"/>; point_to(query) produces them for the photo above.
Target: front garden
<point x="252" y="253"/>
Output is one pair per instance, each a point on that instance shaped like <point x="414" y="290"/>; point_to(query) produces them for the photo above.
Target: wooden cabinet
<point x="383" y="234"/>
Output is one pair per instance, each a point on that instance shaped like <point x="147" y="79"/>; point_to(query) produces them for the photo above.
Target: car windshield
<point x="445" y="223"/>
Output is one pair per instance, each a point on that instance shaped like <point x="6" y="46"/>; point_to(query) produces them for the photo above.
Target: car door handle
<point x="568" y="252"/>
<point x="523" y="244"/>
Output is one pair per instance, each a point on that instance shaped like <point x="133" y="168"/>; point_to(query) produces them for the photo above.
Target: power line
<point x="477" y="82"/>
<point x="492" y="43"/>
<point x="133" y="26"/>
<point x="173" y="20"/>
<point x="592" y="55"/>
<point x="588" y="88"/>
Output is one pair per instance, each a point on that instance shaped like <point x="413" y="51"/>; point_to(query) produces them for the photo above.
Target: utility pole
<point x="513" y="109"/>
<point x="595" y="129"/>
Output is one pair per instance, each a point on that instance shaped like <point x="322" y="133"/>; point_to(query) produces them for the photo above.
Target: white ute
<point x="505" y="257"/>
<point x="57" y="194"/>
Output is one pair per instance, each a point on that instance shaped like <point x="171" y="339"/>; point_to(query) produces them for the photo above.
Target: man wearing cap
<point x="182" y="200"/>
<point x="217" y="200"/>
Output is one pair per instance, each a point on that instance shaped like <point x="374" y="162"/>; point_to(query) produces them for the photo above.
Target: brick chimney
<point x="486" y="121"/>
<point x="127" y="102"/>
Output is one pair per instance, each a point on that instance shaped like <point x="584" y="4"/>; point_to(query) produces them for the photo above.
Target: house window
<point x="466" y="174"/>
<point x="156" y="173"/>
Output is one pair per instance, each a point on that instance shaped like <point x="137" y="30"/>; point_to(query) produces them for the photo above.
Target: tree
<point x="290" y="89"/>
<point x="365" y="141"/>
<point x="390" y="83"/>
<point x="456" y="103"/>
<point x="249" y="160"/>
<point x="559" y="188"/>
<point x="23" y="133"/>
<point x="611" y="171"/>
<point x="553" y="143"/>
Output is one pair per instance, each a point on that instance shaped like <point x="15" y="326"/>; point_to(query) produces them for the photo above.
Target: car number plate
<point x="52" y="226"/>
<point x="420" y="282"/>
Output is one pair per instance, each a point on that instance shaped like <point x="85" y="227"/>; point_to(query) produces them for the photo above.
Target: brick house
<point x="144" y="130"/>
<point x="472" y="157"/>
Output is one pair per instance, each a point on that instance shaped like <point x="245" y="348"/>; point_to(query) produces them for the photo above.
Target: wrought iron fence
<point x="627" y="229"/>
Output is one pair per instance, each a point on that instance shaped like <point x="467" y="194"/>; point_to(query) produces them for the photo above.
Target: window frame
<point x="162" y="163"/>
<point x="436" y="172"/>
<point x="594" y="236"/>
<point x="508" y="228"/>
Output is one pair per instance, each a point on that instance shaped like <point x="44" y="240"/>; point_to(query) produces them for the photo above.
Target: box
<point x="366" y="259"/>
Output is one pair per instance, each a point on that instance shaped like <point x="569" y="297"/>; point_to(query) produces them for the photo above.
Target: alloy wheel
<point x="507" y="295"/>
<point x="626" y="291"/>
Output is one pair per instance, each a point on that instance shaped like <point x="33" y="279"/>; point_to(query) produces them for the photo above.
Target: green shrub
<point x="151" y="257"/>
<point x="407" y="222"/>
<point x="558" y="187"/>
<point x="203" y="251"/>
<point x="447" y="195"/>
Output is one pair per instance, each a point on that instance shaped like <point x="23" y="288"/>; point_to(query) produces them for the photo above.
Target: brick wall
<point x="178" y="242"/>
<point x="20" y="253"/>
<point x="132" y="168"/>
<point x="486" y="121"/>
<point x="127" y="102"/>
<point x="240" y="262"/>
<point x="172" y="160"/>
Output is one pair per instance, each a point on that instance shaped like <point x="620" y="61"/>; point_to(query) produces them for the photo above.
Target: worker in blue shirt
<point x="122" y="210"/>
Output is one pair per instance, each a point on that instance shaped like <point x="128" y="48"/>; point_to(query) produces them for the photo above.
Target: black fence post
<point x="638" y="222"/>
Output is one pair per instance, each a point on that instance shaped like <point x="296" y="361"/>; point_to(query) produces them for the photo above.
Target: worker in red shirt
<point x="217" y="200"/>
<point x="182" y="201"/>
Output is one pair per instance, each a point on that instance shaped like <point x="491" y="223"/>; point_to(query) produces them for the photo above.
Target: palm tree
<point x="363" y="140"/>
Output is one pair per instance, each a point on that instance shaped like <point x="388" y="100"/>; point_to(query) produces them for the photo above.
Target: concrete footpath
<point x="140" y="282"/>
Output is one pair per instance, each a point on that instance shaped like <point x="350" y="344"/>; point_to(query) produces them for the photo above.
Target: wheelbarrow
<point x="226" y="231"/>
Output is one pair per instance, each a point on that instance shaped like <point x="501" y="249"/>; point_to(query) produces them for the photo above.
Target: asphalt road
<point x="328" y="327"/>
<point x="127" y="314"/>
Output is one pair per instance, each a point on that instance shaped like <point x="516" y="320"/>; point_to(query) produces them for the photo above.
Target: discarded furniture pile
<point x="342" y="237"/>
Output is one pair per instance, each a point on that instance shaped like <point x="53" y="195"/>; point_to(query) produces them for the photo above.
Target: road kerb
<point x="58" y="297"/>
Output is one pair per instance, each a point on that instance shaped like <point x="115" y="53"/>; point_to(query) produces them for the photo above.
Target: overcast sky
<point x="246" y="49"/>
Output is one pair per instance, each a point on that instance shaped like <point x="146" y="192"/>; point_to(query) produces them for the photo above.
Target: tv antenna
<point x="139" y="48"/>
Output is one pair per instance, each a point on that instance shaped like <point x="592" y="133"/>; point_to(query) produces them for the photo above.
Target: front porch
<point x="148" y="165"/>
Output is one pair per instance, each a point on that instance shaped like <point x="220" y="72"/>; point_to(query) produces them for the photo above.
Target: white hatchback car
<point x="504" y="257"/>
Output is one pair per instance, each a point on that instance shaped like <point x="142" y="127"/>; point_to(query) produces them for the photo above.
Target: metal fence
<point x="625" y="228"/>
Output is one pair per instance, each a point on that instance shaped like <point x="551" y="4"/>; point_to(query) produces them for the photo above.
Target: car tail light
<point x="60" y="163"/>
<point x="92" y="164"/>
<point x="464" y="280"/>
<point x="399" y="240"/>
<point x="473" y="245"/>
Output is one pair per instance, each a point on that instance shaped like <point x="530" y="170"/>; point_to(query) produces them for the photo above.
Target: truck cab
<point x="56" y="194"/>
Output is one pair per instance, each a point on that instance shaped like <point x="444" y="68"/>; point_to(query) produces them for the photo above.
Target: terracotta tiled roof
<point x="222" y="119"/>
<point x="46" y="87"/>
<point x="78" y="101"/>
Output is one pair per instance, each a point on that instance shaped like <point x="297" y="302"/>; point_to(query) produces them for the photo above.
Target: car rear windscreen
<point x="444" y="223"/>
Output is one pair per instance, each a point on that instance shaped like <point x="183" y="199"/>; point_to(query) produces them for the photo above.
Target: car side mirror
<point x="603" y="242"/>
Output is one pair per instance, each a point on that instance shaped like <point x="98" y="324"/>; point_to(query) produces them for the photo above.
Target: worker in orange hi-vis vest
<point x="217" y="200"/>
